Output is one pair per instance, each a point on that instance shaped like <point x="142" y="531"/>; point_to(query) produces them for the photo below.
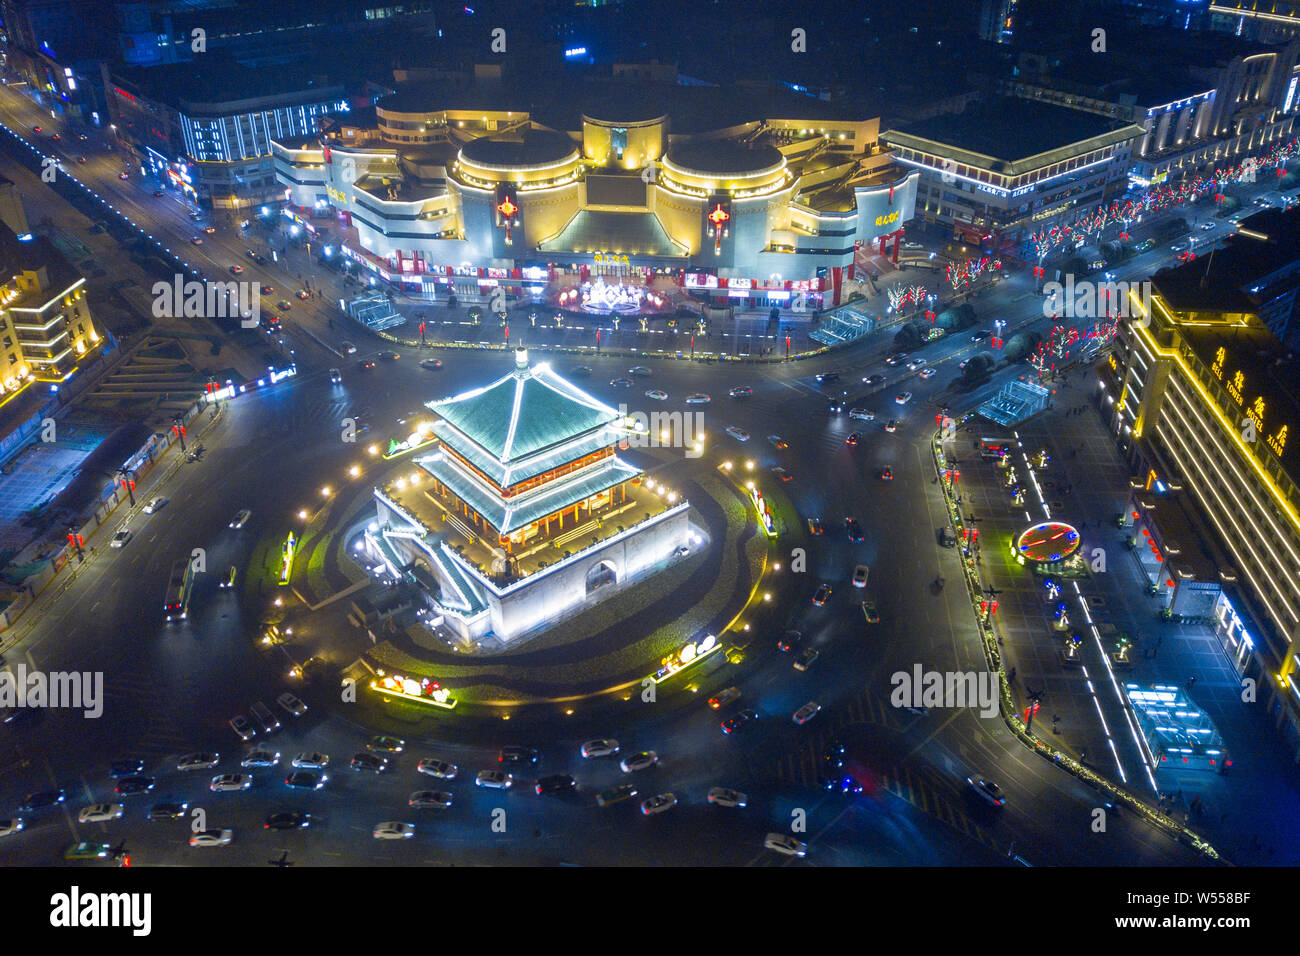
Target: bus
<point x="179" y="584"/>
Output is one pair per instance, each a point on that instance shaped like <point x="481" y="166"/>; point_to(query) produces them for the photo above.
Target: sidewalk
<point x="1248" y="813"/>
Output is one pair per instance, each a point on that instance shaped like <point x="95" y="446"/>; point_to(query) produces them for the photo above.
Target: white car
<point x="599" y="748"/>
<point x="862" y="415"/>
<point x="659" y="803"/>
<point x="198" y="761"/>
<point x="698" y="398"/>
<point x="157" y="504"/>
<point x="926" y="372"/>
<point x="737" y="433"/>
<point x="240" y="725"/>
<point x="657" y="394"/>
<point x="1178" y="247"/>
<point x="638" y="761"/>
<point x="807" y="712"/>
<point x="860" y="576"/>
<point x="726" y="797"/>
<point x="437" y="768"/>
<point x="212" y="838"/>
<point x="11" y="825"/>
<point x="913" y="365"/>
<point x="261" y="758"/>
<point x="903" y="399"/>
<point x="121" y="538"/>
<point x="392" y="830"/>
<point x="311" y="761"/>
<point x="291" y="704"/>
<point x="785" y="844"/>
<point x="100" y="812"/>
<point x="494" y="780"/>
<point x="1207" y="226"/>
<point x="224" y="782"/>
<point x="240" y="519"/>
<point x="430" y="800"/>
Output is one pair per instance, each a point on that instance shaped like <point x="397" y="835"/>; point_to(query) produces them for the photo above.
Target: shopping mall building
<point x="1202" y="395"/>
<point x="616" y="193"/>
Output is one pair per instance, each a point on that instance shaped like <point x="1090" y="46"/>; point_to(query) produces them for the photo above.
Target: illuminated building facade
<point x="1006" y="168"/>
<point x="1203" y="101"/>
<point x="752" y="201"/>
<point x="46" y="327"/>
<point x="208" y="132"/>
<point x="1203" y="396"/>
<point x="524" y="513"/>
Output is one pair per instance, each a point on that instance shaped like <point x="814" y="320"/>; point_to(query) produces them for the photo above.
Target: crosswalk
<point x="923" y="787"/>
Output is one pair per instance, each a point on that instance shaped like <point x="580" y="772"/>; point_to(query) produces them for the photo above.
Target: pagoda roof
<point x="507" y="474"/>
<point x="510" y="515"/>
<point x="520" y="414"/>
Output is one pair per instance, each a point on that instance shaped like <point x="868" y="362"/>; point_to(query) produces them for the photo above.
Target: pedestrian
<point x="1191" y="682"/>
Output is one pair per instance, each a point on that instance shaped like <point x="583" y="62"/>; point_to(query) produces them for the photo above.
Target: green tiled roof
<point x="525" y="412"/>
<point x="519" y="512"/>
<point x="512" y="473"/>
<point x="632" y="233"/>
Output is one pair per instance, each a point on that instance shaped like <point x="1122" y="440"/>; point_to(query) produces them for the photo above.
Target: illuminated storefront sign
<point x="423" y="691"/>
<point x="888" y="218"/>
<point x="688" y="655"/>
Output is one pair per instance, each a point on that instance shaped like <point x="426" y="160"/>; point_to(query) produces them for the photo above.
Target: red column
<point x="837" y="279"/>
<point x="882" y="244"/>
<point x="897" y="238"/>
<point x="852" y="266"/>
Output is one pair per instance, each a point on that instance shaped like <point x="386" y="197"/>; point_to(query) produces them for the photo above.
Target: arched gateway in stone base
<point x="526" y="467"/>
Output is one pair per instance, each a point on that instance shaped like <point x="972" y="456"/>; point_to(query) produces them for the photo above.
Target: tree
<point x="978" y="369"/>
<point x="1021" y="345"/>
<point x="956" y="318"/>
<point x="909" y="336"/>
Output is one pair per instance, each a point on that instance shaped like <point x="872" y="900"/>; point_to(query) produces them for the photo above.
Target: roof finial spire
<point x="521" y="359"/>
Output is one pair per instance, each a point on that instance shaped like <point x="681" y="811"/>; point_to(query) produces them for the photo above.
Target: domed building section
<point x="623" y="193"/>
<point x="516" y="189"/>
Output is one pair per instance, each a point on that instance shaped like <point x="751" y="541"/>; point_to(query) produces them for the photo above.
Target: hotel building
<point x="755" y="200"/>
<point x="1202" y="395"/>
<point x="46" y="329"/>
<point x="523" y="513"/>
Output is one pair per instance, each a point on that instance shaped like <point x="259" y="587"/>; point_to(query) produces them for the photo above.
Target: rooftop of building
<point x="723" y="157"/>
<point x="534" y="147"/>
<point x="527" y="411"/>
<point x="1005" y="134"/>
<point x="1235" y="276"/>
<point x="219" y="79"/>
<point x="560" y="99"/>
<point x="18" y="256"/>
